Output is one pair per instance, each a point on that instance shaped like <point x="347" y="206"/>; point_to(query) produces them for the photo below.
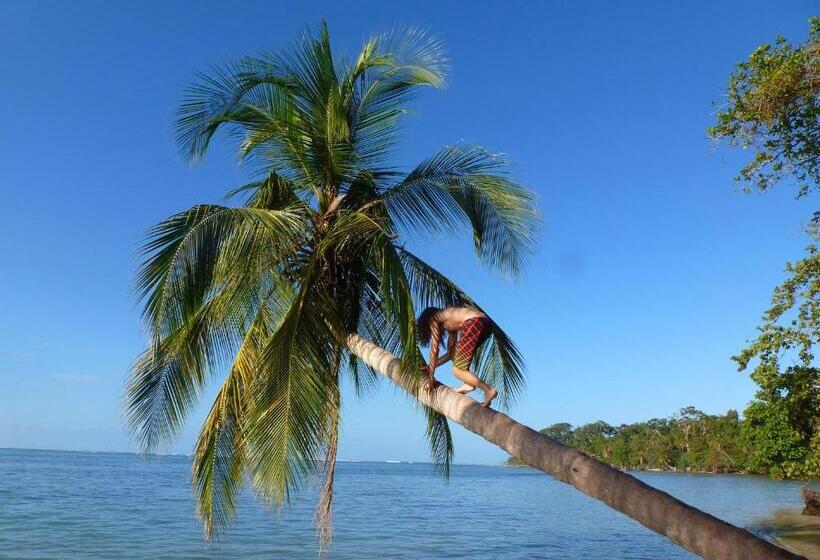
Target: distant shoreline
<point x="153" y="455"/>
<point x="653" y="470"/>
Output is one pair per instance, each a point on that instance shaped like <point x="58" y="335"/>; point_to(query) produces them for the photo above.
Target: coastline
<point x="650" y="470"/>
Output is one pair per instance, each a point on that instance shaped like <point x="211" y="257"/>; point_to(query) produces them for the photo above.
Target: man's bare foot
<point x="464" y="389"/>
<point x="489" y="397"/>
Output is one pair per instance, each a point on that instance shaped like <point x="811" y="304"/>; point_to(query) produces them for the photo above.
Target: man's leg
<point x="465" y="388"/>
<point x="471" y="381"/>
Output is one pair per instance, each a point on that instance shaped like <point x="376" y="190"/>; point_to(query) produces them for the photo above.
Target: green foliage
<point x="783" y="422"/>
<point x="689" y="441"/>
<point x="777" y="448"/>
<point x="263" y="295"/>
<point x="773" y="106"/>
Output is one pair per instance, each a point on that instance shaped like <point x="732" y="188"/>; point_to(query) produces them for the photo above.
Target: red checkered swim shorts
<point x="474" y="332"/>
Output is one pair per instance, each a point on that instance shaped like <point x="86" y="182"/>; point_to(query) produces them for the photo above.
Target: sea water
<point x="104" y="505"/>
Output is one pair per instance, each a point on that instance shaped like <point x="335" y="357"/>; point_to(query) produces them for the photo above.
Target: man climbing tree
<point x="467" y="328"/>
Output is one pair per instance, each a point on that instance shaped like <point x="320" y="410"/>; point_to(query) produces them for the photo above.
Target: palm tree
<point x="269" y="291"/>
<point x="282" y="295"/>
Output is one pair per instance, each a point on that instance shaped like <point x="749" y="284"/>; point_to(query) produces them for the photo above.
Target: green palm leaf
<point x="203" y="282"/>
<point x="440" y="440"/>
<point x="220" y="456"/>
<point x="287" y="424"/>
<point x="465" y="185"/>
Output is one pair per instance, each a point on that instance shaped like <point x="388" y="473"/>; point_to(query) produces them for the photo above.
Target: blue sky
<point x="651" y="270"/>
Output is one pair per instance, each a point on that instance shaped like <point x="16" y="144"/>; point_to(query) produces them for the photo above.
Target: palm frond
<point x="500" y="363"/>
<point x="160" y="393"/>
<point x="193" y="251"/>
<point x="389" y="70"/>
<point x="205" y="277"/>
<point x="287" y="424"/>
<point x="431" y="287"/>
<point x="354" y="231"/>
<point x="373" y="324"/>
<point x="324" y="507"/>
<point x="363" y="378"/>
<point x="397" y="306"/>
<point x="440" y="441"/>
<point x="274" y="192"/>
<point x="466" y="185"/>
<point x="167" y="379"/>
<point x="220" y="456"/>
<point x="219" y="99"/>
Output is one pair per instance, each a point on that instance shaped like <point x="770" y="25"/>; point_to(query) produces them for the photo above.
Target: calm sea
<point x="104" y="505"/>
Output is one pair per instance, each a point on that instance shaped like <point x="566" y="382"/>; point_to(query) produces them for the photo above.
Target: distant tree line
<point x="690" y="441"/>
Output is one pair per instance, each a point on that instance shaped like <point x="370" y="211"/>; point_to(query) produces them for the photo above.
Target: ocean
<point x="56" y="504"/>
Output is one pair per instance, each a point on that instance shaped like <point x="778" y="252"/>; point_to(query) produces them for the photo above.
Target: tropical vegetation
<point x="689" y="441"/>
<point x="263" y="295"/>
<point x="782" y="423"/>
<point x="773" y="110"/>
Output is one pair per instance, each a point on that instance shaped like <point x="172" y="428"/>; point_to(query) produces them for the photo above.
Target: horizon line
<point x="149" y="455"/>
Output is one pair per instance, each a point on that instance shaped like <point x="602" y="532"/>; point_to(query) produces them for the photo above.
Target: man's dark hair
<point x="425" y="323"/>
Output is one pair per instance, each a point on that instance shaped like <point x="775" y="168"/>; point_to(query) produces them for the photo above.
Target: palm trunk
<point x="697" y="531"/>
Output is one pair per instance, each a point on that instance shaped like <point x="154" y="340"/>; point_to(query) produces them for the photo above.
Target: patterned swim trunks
<point x="474" y="331"/>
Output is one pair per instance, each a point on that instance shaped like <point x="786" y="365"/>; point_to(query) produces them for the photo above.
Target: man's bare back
<point x="452" y="318"/>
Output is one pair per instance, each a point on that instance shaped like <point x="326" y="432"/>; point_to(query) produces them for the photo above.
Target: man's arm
<point x="451" y="347"/>
<point x="435" y="339"/>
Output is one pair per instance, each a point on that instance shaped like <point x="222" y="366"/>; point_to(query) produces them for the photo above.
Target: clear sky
<point x="651" y="271"/>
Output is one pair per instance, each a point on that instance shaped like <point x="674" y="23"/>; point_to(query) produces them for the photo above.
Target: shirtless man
<point x="467" y="329"/>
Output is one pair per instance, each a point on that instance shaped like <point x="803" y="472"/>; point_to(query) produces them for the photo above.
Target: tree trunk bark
<point x="696" y="531"/>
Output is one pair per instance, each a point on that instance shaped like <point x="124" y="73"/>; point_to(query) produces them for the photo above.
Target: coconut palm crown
<point x="262" y="294"/>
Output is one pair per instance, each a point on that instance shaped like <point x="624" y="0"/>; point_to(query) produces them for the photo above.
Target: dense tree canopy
<point x="773" y="106"/>
<point x="688" y="441"/>
<point x="783" y="422"/>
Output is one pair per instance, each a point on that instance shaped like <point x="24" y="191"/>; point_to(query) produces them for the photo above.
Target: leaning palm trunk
<point x="697" y="531"/>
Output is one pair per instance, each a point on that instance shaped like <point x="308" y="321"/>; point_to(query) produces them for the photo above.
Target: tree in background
<point x="782" y="424"/>
<point x="561" y="432"/>
<point x="774" y="109"/>
<point x="688" y="441"/>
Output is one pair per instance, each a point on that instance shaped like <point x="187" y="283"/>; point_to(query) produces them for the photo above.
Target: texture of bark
<point x="697" y="531"/>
